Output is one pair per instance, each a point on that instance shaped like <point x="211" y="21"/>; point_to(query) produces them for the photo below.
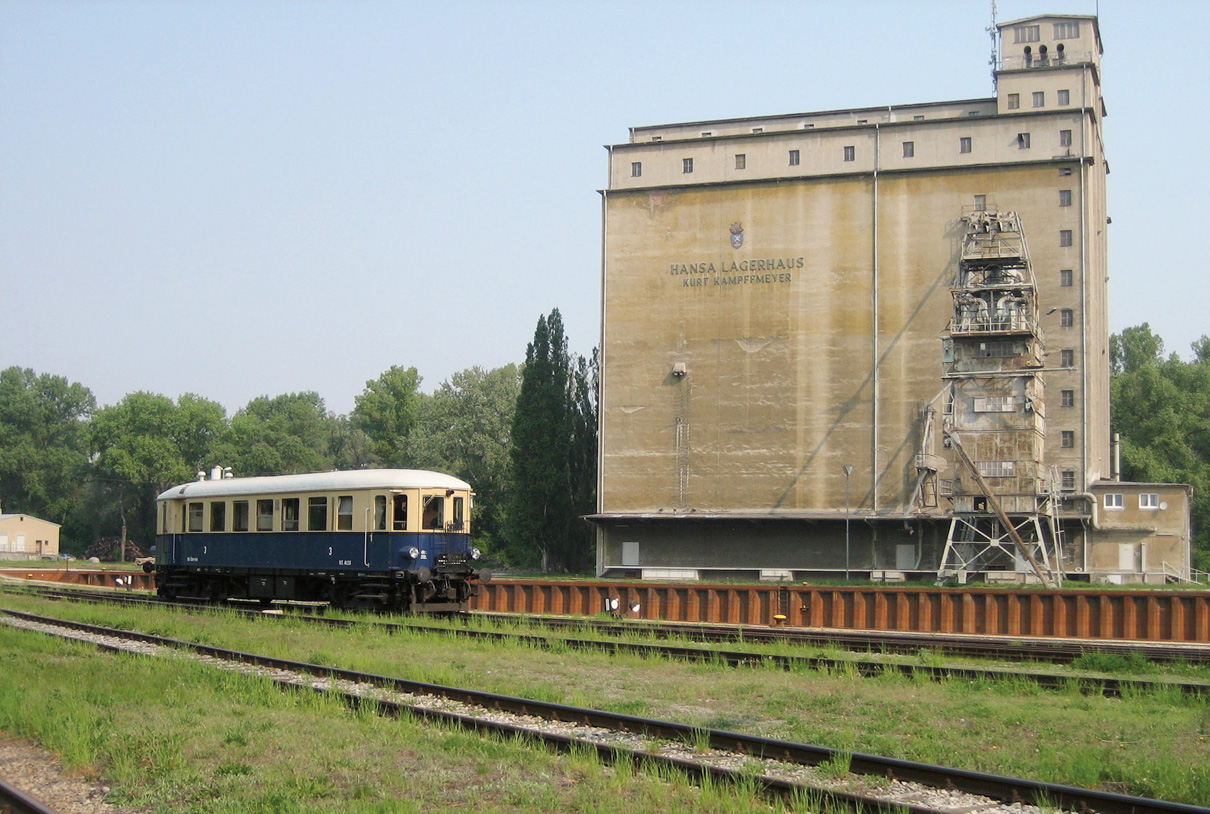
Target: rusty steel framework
<point x="1002" y="496"/>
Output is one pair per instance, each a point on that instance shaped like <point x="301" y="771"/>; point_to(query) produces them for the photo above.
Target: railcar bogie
<point x="387" y="539"/>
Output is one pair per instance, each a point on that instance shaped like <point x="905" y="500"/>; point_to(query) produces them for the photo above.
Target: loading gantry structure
<point x="994" y="419"/>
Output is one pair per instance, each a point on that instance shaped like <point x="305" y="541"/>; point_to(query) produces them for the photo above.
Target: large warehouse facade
<point x="871" y="340"/>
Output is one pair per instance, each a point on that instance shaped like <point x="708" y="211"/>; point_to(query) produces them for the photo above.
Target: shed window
<point x="1150" y="500"/>
<point x="1113" y="501"/>
<point x="317" y="514"/>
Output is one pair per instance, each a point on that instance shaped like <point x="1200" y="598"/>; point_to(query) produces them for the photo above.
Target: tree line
<point x="524" y="437"/>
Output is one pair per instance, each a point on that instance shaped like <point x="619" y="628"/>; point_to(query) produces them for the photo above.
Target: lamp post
<point x="848" y="470"/>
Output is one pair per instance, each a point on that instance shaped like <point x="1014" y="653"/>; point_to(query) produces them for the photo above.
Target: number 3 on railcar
<point x="385" y="539"/>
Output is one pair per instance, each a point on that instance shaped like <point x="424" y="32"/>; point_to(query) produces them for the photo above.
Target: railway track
<point x="866" y="667"/>
<point x="15" y="801"/>
<point x="780" y="768"/>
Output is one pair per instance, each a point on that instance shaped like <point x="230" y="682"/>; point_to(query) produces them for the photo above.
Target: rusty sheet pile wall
<point x="1159" y="616"/>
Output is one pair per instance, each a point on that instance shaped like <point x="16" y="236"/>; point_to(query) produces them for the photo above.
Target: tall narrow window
<point x="1067" y="398"/>
<point x="459" y="513"/>
<point x="317" y="514"/>
<point x="741" y="161"/>
<point x="1014" y="101"/>
<point x="218" y="516"/>
<point x="850" y="153"/>
<point x="1066" y="318"/>
<point x="380" y="512"/>
<point x="1065" y="139"/>
<point x="1064" y="237"/>
<point x="794" y="158"/>
<point x="686" y="165"/>
<point x="980" y="203"/>
<point x="964" y="144"/>
<point x="399" y="513"/>
<point x="195" y="516"/>
<point x="1039" y="98"/>
<point x="636" y="169"/>
<point x="1067" y="358"/>
<point x="264" y="515"/>
<point x="1065" y="278"/>
<point x="1064" y="197"/>
<point x="1023" y="141"/>
<point x="239" y="515"/>
<point x="344" y="513"/>
<point x="289" y="514"/>
<point x="1069" y="439"/>
<point x="1068" y="480"/>
<point x="909" y="149"/>
<point x="1063" y="97"/>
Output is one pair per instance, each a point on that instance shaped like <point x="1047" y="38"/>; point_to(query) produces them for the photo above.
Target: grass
<point x="1149" y="743"/>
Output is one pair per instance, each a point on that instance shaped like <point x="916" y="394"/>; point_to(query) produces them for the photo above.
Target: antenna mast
<point x="991" y="30"/>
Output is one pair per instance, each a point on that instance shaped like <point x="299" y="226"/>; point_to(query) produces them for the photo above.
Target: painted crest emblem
<point x="737" y="235"/>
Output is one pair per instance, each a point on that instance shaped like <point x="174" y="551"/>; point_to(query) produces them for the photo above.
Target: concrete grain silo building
<point x="871" y="340"/>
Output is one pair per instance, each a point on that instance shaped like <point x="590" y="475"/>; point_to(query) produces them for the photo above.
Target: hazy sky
<point x="253" y="198"/>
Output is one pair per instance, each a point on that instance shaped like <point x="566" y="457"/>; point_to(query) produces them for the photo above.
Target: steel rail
<point x="15" y="801"/>
<point x="867" y="668"/>
<point x="1006" y="789"/>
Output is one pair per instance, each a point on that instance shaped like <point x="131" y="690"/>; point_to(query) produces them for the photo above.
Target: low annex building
<point x="871" y="340"/>
<point x="25" y="537"/>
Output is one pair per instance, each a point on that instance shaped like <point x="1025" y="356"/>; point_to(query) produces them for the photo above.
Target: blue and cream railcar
<point x="395" y="539"/>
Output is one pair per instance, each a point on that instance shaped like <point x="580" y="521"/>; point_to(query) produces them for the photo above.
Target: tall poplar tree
<point x="540" y="509"/>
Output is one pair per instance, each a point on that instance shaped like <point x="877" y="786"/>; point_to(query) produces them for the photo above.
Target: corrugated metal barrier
<point x="1147" y="615"/>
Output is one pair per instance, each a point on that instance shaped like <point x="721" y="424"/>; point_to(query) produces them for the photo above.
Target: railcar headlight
<point x="476" y="553"/>
<point x="414" y="553"/>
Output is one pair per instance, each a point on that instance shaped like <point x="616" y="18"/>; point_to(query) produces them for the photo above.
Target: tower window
<point x="964" y="144"/>
<point x="1068" y="480"/>
<point x="636" y="169"/>
<point x="1064" y="97"/>
<point x="1067" y="398"/>
<point x="794" y="158"/>
<point x="1027" y="33"/>
<point x="1067" y="31"/>
<point x="686" y="165"/>
<point x="1065" y="140"/>
<point x="1064" y="197"/>
<point x="1066" y="318"/>
<point x="850" y="153"/>
<point x="1014" y="101"/>
<point x="1069" y="439"/>
<point x="1023" y="141"/>
<point x="909" y="149"/>
<point x="1039" y="98"/>
<point x="1065" y="278"/>
<point x="1064" y="237"/>
<point x="741" y="161"/>
<point x="980" y="203"/>
<point x="1067" y="358"/>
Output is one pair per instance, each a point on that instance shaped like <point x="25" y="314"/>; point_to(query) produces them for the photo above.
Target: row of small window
<point x="288" y="513"/>
<point x="1147" y="500"/>
<point x="1067" y="480"/>
<point x="1032" y="33"/>
<point x="1063" y="99"/>
<point x="850" y="154"/>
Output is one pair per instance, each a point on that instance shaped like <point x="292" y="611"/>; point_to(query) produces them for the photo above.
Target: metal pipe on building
<point x="874" y="343"/>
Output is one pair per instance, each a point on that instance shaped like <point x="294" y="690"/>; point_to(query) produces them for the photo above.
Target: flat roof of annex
<point x="791" y="122"/>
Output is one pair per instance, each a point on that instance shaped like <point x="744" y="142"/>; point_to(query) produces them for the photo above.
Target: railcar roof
<point x="317" y="482"/>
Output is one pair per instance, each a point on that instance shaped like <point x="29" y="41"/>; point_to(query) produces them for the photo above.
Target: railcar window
<point x="380" y="512"/>
<point x="164" y="517"/>
<point x="218" y="516"/>
<point x="264" y="515"/>
<point x="195" y="517"/>
<point x="239" y="515"/>
<point x="434" y="512"/>
<point x="317" y="514"/>
<point x="344" y="513"/>
<point x="289" y="514"/>
<point x="400" y="513"/>
<point x="458" y="518"/>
